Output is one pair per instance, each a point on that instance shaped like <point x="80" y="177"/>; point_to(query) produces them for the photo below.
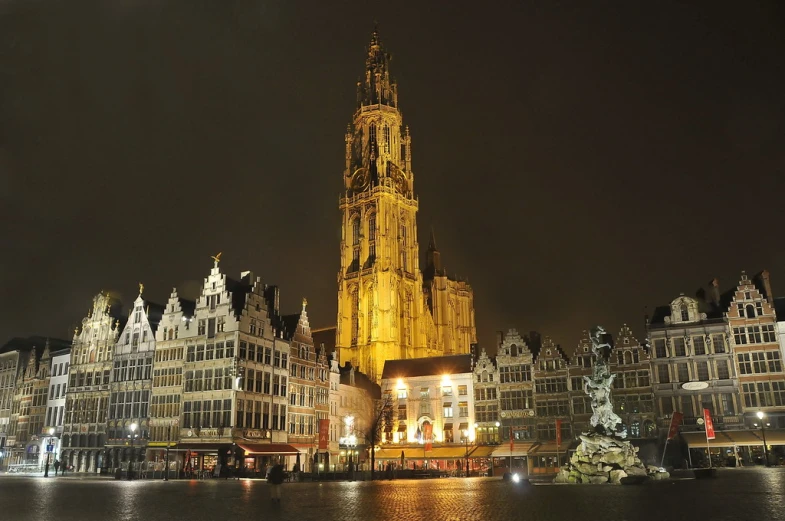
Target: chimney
<point x="764" y="275"/>
<point x="714" y="291"/>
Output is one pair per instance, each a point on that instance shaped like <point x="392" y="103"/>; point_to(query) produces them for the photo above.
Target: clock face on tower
<point x="399" y="179"/>
<point x="360" y="180"/>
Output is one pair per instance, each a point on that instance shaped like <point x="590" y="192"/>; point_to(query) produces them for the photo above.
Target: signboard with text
<point x="558" y="432"/>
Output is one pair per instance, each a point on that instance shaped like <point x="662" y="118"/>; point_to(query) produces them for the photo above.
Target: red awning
<point x="267" y="448"/>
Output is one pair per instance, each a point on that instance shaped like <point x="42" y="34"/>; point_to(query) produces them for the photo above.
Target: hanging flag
<point x="428" y="428"/>
<point x="709" y="424"/>
<point x="558" y="432"/>
<point x="324" y="434"/>
<point x="675" y="422"/>
<point x="512" y="440"/>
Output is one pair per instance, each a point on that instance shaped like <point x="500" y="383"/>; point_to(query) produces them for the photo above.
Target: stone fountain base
<point x="605" y="459"/>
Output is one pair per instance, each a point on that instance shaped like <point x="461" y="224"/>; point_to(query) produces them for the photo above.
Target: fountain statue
<point x="604" y="456"/>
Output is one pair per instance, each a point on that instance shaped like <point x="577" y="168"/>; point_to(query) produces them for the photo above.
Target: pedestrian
<point x="65" y="466"/>
<point x="57" y="466"/>
<point x="275" y="481"/>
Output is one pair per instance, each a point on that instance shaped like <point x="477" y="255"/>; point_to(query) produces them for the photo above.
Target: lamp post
<point x="465" y="434"/>
<point x="48" y="451"/>
<point x="763" y="434"/>
<point x="131" y="462"/>
<point x="351" y="442"/>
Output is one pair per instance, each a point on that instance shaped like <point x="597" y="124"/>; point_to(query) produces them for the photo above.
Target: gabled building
<point x="128" y="418"/>
<point x="581" y="364"/>
<point x="632" y="395"/>
<point x="87" y="397"/>
<point x="234" y="403"/>
<point x="692" y="364"/>
<point x="58" y="385"/>
<point x="753" y="324"/>
<point x="514" y="362"/>
<point x="176" y="326"/>
<point x="486" y="401"/>
<point x="309" y="388"/>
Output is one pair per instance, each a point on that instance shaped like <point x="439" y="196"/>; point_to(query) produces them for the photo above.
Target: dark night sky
<point x="577" y="164"/>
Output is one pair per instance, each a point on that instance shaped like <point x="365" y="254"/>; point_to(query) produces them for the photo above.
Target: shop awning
<point x="402" y="428"/>
<point x="519" y="449"/>
<point x="723" y="439"/>
<point x="483" y="451"/>
<point x="463" y="427"/>
<point x="199" y="447"/>
<point x="549" y="448"/>
<point x="775" y="437"/>
<point x="448" y="426"/>
<point x="418" y="453"/>
<point x="256" y="449"/>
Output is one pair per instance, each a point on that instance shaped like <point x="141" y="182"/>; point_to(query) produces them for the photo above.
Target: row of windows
<point x="85" y="410"/>
<point x="133" y="369"/>
<point x="463" y="410"/>
<point x="763" y="394"/>
<point x="208" y="380"/>
<point x="754" y="334"/>
<point x="171" y="376"/>
<point x="516" y="400"/>
<point x="485" y="393"/>
<point x="168" y="354"/>
<point x="129" y="404"/>
<point x="701" y="371"/>
<point x="759" y="362"/>
<point x="207" y="414"/>
<point x="254" y="414"/>
<point x="217" y="351"/>
<point x="631" y="379"/>
<point x="302" y="424"/>
<point x="515" y="373"/>
<point x="81" y="378"/>
<point x="165" y="406"/>
<point x="301" y="395"/>
<point x="679" y="346"/>
<point x="486" y="413"/>
<point x="551" y="385"/>
<point x="686" y="405"/>
<point x="553" y="408"/>
<point x="628" y="357"/>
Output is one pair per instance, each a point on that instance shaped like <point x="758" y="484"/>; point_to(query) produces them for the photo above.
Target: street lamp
<point x="49" y="447"/>
<point x="465" y="434"/>
<point x="131" y="462"/>
<point x="351" y="442"/>
<point x="763" y="433"/>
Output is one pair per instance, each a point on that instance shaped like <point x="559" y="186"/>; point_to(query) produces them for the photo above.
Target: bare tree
<point x="382" y="416"/>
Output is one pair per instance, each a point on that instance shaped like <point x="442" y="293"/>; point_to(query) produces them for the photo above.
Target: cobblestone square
<point x="735" y="495"/>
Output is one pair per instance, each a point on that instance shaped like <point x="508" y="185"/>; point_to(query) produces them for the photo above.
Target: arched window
<point x="372" y="133"/>
<point x="627" y="357"/>
<point x="355" y="317"/>
<point x="635" y="429"/>
<point x="387" y="139"/>
<point x="750" y="311"/>
<point x="513" y="350"/>
<point x="356" y="231"/>
<point x="372" y="227"/>
<point x="404" y="259"/>
<point x="685" y="314"/>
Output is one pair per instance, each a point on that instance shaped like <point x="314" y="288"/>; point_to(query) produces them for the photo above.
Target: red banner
<point x="675" y="422"/>
<point x="512" y="440"/>
<point x="558" y="432"/>
<point x="324" y="434"/>
<point x="709" y="424"/>
<point x="428" y="432"/>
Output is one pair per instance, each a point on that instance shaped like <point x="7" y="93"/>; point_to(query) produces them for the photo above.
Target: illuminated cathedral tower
<point x="386" y="309"/>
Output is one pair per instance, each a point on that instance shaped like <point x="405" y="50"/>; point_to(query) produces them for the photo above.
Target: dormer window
<point x="750" y="311"/>
<point x="685" y="313"/>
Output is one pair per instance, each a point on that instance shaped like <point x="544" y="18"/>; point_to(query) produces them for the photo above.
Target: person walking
<point x="276" y="480"/>
<point x="57" y="466"/>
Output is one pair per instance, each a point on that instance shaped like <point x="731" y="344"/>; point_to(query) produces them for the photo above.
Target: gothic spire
<point x="376" y="88"/>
